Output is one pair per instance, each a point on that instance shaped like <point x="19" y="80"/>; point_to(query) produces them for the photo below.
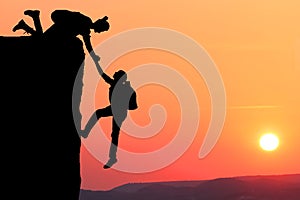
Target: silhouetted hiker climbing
<point x="67" y="24"/>
<point x="122" y="98"/>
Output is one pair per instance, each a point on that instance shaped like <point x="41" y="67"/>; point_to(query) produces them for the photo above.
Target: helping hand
<point x="96" y="58"/>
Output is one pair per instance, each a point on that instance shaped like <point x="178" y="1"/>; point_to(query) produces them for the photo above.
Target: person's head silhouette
<point x="101" y="25"/>
<point x="120" y="75"/>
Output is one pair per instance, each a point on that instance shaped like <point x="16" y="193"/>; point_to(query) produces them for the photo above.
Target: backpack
<point x="132" y="101"/>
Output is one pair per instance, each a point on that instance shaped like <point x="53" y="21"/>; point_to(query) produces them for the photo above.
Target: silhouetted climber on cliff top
<point x="122" y="98"/>
<point x="67" y="24"/>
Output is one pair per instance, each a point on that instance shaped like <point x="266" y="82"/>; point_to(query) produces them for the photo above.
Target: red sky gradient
<point x="254" y="44"/>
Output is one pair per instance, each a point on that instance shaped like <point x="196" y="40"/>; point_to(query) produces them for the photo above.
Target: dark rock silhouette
<point x="42" y="157"/>
<point x="236" y="188"/>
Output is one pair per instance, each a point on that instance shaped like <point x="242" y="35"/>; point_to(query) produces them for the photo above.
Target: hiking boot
<point x="32" y="13"/>
<point x="110" y="163"/>
<point x="20" y="25"/>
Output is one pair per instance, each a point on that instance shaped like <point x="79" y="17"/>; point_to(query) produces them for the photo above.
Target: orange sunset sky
<point x="255" y="46"/>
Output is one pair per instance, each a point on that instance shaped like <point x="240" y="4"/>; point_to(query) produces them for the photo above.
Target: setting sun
<point x="269" y="142"/>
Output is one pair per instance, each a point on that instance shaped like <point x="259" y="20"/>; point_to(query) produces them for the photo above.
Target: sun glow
<point x="269" y="142"/>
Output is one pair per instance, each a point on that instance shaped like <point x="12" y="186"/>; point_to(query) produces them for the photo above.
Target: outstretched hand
<point x="96" y="58"/>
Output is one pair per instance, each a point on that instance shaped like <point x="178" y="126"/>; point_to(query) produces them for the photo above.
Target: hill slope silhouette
<point x="235" y="188"/>
<point x="41" y="156"/>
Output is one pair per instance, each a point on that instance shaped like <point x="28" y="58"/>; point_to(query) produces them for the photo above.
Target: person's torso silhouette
<point x="69" y="24"/>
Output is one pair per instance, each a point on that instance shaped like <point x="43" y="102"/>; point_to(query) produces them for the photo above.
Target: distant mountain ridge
<point x="265" y="187"/>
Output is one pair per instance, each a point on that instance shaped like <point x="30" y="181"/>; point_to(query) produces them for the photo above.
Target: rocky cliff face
<point x="41" y="154"/>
